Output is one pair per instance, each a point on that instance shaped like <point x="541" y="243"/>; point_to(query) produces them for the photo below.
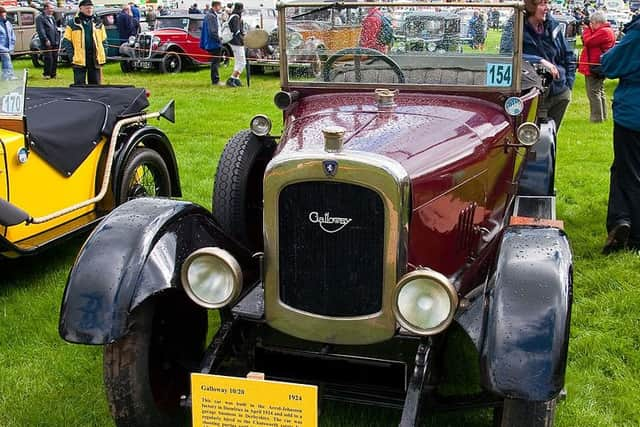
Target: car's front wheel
<point x="171" y="63"/>
<point x="37" y="60"/>
<point x="148" y="370"/>
<point x="145" y="174"/>
<point x="126" y="66"/>
<point x="237" y="188"/>
<point x="525" y="413"/>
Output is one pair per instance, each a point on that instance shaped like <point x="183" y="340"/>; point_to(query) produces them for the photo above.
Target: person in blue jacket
<point x="623" y="216"/>
<point x="7" y="45"/>
<point x="210" y="39"/>
<point x="544" y="43"/>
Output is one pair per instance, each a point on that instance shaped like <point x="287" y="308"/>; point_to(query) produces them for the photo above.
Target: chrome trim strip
<point x="391" y="182"/>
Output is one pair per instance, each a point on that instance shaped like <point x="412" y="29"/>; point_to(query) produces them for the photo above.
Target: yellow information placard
<point x="236" y="402"/>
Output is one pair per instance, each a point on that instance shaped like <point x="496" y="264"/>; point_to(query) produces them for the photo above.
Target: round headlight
<point x="155" y="42"/>
<point x="132" y="40"/>
<point x="295" y="39"/>
<point x="528" y="134"/>
<point x="260" y="125"/>
<point x="211" y="277"/>
<point x="431" y="47"/>
<point x="425" y="302"/>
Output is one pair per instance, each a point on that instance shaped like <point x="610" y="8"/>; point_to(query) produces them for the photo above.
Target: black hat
<point x="85" y="3"/>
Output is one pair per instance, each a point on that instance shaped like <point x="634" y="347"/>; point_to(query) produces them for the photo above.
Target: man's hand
<point x="552" y="68"/>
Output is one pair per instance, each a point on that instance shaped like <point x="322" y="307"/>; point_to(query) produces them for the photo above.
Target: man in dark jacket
<point x="126" y="24"/>
<point x="544" y="43"/>
<point x="210" y="39"/>
<point x="623" y="217"/>
<point x="49" y="40"/>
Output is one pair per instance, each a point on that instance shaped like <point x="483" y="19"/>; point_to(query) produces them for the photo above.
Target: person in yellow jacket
<point x="84" y="42"/>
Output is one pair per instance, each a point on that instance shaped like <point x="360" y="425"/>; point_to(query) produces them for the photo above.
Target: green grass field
<point x="47" y="382"/>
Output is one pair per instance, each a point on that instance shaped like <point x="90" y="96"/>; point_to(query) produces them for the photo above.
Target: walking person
<point x="597" y="38"/>
<point x="84" y="41"/>
<point x="49" y="40"/>
<point x="210" y="40"/>
<point x="623" y="215"/>
<point x="7" y="45"/>
<point x="237" y="45"/>
<point x="544" y="43"/>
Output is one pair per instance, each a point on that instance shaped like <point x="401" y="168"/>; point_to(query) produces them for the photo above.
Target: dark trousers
<point x="86" y="75"/>
<point x="624" y="188"/>
<point x="556" y="105"/>
<point x="215" y="63"/>
<point x="50" y="57"/>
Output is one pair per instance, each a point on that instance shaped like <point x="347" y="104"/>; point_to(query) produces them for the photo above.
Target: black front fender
<point x="135" y="252"/>
<point x="528" y="311"/>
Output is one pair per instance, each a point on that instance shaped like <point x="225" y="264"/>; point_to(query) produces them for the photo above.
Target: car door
<point x="25" y="30"/>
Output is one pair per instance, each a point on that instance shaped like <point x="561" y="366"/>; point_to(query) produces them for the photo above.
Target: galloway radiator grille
<point x="331" y="241"/>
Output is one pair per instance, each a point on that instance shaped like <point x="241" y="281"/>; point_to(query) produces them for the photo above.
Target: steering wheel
<point x="357" y="53"/>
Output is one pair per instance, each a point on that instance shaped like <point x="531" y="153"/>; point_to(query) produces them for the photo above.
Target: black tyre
<point x="126" y="66"/>
<point x="226" y="54"/>
<point x="237" y="189"/>
<point x="148" y="370"/>
<point x="37" y="60"/>
<point x="171" y="63"/>
<point x="145" y="174"/>
<point x="524" y="413"/>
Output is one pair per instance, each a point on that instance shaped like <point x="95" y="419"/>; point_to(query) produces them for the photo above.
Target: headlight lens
<point x="528" y="134"/>
<point x="260" y="125"/>
<point x="212" y="277"/>
<point x="295" y="39"/>
<point x="431" y="47"/>
<point x="425" y="302"/>
<point x="155" y="42"/>
<point x="132" y="40"/>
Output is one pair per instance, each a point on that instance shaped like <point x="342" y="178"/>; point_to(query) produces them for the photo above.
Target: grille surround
<point x="388" y="179"/>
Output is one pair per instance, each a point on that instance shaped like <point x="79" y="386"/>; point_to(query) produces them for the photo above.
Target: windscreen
<point x="401" y="43"/>
<point x="176" y="22"/>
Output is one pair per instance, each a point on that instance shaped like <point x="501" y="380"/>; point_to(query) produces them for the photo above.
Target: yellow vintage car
<point x="68" y="156"/>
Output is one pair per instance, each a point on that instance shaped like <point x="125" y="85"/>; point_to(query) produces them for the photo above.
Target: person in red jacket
<point x="597" y="38"/>
<point x="371" y="27"/>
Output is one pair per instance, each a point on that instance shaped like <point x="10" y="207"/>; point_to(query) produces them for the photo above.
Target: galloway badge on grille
<point x="330" y="167"/>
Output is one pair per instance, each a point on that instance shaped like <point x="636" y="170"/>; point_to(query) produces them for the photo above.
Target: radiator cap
<point x="333" y="138"/>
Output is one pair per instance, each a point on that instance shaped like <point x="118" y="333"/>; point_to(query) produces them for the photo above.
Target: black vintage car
<point x="432" y="31"/>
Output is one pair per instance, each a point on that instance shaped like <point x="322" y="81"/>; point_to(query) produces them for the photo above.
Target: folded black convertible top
<point x="65" y="124"/>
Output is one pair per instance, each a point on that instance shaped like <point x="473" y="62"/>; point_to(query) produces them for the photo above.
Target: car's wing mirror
<point x="11" y="214"/>
<point x="169" y="111"/>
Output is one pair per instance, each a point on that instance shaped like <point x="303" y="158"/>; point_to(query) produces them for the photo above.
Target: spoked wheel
<point x="524" y="413"/>
<point x="144" y="175"/>
<point x="148" y="370"/>
<point x="171" y="63"/>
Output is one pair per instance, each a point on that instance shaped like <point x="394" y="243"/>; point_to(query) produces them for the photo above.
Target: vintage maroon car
<point x="172" y="45"/>
<point x="396" y="246"/>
